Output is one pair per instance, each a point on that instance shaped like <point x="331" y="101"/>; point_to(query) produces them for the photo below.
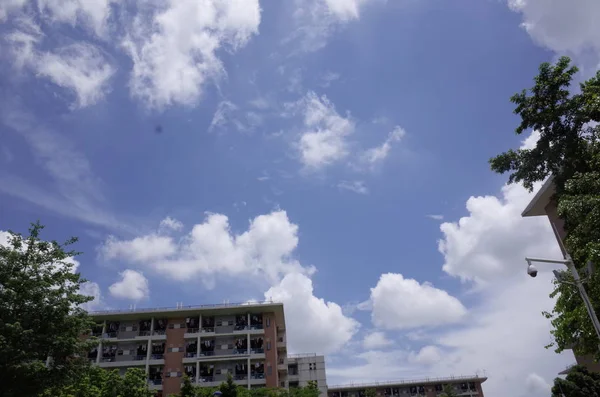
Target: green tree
<point x="40" y="315"/>
<point x="568" y="149"/>
<point x="187" y="389"/>
<point x="369" y="392"/>
<point x="229" y="388"/>
<point x="578" y="383"/>
<point x="98" y="382"/>
<point x="135" y="384"/>
<point x="449" y="391"/>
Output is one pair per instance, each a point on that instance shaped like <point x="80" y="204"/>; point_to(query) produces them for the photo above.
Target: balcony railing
<point x="204" y="379"/>
<point x="208" y="329"/>
<point x="144" y="333"/>
<point x="182" y="307"/>
<point x="240" y="377"/>
<point x="256" y="326"/>
<point x="109" y="335"/>
<point x="107" y="359"/>
<point x="157" y="356"/>
<point x="257" y="351"/>
<point x="257" y="376"/>
<point x="138" y="358"/>
<point x="193" y="330"/>
<point x="155" y="382"/>
<point x="159" y="332"/>
<point x="208" y="353"/>
<point x="191" y="355"/>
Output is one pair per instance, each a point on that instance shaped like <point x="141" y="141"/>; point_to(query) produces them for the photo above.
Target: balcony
<point x="207" y="330"/>
<point x="191" y="332"/>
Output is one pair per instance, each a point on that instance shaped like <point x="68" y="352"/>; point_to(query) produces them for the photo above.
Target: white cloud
<point x="8" y="6"/>
<point x="354" y="186"/>
<point x="79" y="191"/>
<point x="133" y="285"/>
<point x="170" y="224"/>
<point x="379" y="153"/>
<point x="329" y="328"/>
<point x="537" y="385"/>
<point x="316" y="20"/>
<point x="375" y="340"/>
<point x="211" y="248"/>
<point x="505" y="323"/>
<point x="559" y="26"/>
<point x="323" y="138"/>
<point x="436" y="217"/>
<point x="399" y="303"/>
<point x="427" y="355"/>
<point x="92" y="289"/>
<point x="92" y="15"/>
<point x="174" y="51"/>
<point x="80" y="68"/>
<point x="493" y="240"/>
<point x="140" y="249"/>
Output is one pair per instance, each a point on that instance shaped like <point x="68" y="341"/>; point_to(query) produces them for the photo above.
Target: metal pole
<point x="584" y="295"/>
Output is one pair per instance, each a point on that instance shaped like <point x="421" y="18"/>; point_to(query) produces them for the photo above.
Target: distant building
<point x="467" y="386"/>
<point x="206" y="343"/>
<point x="542" y="204"/>
<point x="304" y="368"/>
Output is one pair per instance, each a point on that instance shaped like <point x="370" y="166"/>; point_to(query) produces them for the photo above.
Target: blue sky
<point x="330" y="154"/>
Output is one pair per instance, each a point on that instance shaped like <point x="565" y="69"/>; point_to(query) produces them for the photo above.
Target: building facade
<point x="206" y="343"/>
<point x="305" y="368"/>
<point x="467" y="386"/>
<point x="543" y="204"/>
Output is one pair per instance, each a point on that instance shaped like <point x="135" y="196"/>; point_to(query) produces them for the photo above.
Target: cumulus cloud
<point x="376" y="155"/>
<point x="492" y="241"/>
<point x="329" y="328"/>
<point x="427" y="355"/>
<point x="132" y="285"/>
<point x="174" y="50"/>
<point x="211" y="248"/>
<point x="170" y="224"/>
<point x="375" y="340"/>
<point x="560" y="27"/>
<point x="323" y="139"/>
<point x="92" y="289"/>
<point x="399" y="303"/>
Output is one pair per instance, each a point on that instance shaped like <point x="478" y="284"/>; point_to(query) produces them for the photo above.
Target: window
<point x="269" y="370"/>
<point x="268" y="322"/>
<point x="268" y="345"/>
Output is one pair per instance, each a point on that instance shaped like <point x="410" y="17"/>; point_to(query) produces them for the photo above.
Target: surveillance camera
<point x="532" y="270"/>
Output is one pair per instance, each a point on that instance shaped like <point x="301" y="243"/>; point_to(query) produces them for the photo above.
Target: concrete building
<point x="203" y="342"/>
<point x="304" y="368"/>
<point x="467" y="386"/>
<point x="542" y="204"/>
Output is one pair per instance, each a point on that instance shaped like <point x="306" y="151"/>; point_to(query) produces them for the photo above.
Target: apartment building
<point x="206" y="343"/>
<point x="305" y="368"/>
<point x="542" y="204"/>
<point x="467" y="386"/>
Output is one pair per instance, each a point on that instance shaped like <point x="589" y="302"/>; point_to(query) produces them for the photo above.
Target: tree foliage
<point x="578" y="383"/>
<point x="98" y="382"/>
<point x="449" y="391"/>
<point x="40" y="315"/>
<point x="568" y="149"/>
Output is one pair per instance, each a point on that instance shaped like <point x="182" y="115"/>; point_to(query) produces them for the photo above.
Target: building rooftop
<point x="181" y="310"/>
<point x="537" y="206"/>
<point x="405" y="382"/>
